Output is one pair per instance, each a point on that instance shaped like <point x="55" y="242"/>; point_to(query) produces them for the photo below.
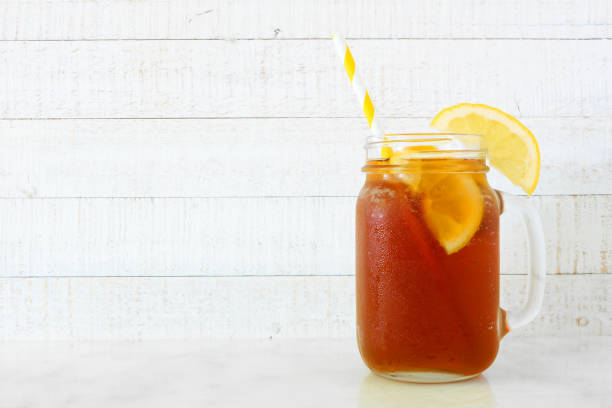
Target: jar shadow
<point x="383" y="393"/>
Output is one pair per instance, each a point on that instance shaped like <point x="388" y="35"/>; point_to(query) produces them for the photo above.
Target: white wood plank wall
<point x="186" y="169"/>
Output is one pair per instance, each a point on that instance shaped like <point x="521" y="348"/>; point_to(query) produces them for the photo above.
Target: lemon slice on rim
<point x="453" y="207"/>
<point x="512" y="148"/>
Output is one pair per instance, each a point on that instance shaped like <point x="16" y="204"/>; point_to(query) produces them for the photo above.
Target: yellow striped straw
<point x="361" y="92"/>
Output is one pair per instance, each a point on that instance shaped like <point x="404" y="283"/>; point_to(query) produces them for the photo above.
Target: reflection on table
<point x="377" y="392"/>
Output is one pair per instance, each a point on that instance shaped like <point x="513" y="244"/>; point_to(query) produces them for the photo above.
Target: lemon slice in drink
<point x="452" y="207"/>
<point x="399" y="158"/>
<point x="452" y="203"/>
<point x="512" y="148"/>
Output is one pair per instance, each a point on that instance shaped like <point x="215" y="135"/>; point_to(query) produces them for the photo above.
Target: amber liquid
<point x="418" y="308"/>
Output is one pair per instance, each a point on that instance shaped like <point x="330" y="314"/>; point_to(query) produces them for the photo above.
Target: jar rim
<point x="472" y="139"/>
<point x="426" y="151"/>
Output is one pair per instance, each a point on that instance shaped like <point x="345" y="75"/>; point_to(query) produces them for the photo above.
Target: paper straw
<point x="344" y="53"/>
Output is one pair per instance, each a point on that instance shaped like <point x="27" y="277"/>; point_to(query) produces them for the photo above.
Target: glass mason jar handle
<point x="537" y="259"/>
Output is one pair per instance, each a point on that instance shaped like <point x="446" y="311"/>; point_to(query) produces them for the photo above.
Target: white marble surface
<point x="542" y="372"/>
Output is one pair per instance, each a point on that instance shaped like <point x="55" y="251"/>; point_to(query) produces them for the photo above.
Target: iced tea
<point x="427" y="258"/>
